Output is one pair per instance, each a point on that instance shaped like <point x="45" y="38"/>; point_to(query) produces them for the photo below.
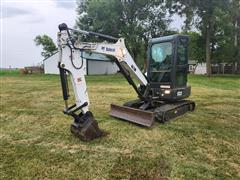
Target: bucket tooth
<point x="141" y="117"/>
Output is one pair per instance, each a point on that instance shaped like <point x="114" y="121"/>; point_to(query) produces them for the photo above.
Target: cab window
<point x="161" y="61"/>
<point x="161" y="55"/>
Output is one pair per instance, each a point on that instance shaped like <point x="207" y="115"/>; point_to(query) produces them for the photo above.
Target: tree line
<point x="213" y="25"/>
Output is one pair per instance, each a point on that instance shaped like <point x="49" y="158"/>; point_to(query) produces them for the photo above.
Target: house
<point x="196" y="67"/>
<point x="192" y="66"/>
<point x="93" y="64"/>
<point x="201" y="68"/>
<point x="218" y="68"/>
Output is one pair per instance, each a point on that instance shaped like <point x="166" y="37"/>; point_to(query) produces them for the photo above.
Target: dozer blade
<point x="145" y="118"/>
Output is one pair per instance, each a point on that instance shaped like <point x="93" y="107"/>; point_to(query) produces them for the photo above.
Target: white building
<point x="92" y="64"/>
<point x="201" y="68"/>
<point x="197" y="68"/>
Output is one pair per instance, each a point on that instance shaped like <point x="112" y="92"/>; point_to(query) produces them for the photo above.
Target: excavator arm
<point x="71" y="62"/>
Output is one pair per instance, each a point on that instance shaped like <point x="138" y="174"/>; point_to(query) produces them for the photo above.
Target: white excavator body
<point x="153" y="98"/>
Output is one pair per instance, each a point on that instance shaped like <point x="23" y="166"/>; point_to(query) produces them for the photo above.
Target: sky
<point x="23" y="20"/>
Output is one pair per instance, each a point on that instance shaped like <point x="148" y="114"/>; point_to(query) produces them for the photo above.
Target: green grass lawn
<point x="36" y="142"/>
<point x="9" y="72"/>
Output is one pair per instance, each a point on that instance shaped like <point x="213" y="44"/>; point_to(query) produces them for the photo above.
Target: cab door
<point x="161" y="60"/>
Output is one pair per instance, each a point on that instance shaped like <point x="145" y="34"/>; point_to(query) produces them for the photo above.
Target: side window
<point x="182" y="59"/>
<point x="182" y="52"/>
<point x="181" y="78"/>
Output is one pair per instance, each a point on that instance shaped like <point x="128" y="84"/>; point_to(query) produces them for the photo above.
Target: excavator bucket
<point x="88" y="129"/>
<point x="141" y="117"/>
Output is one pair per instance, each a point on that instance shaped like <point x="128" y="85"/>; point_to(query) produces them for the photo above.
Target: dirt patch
<point x="127" y="167"/>
<point x="235" y="166"/>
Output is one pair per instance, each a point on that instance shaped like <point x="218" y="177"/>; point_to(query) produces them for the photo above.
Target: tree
<point x="226" y="37"/>
<point x="205" y="15"/>
<point x="235" y="4"/>
<point x="196" y="46"/>
<point x="48" y="45"/>
<point x="135" y="20"/>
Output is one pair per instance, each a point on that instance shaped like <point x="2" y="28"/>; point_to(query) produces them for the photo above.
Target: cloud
<point x="35" y="20"/>
<point x="9" y="12"/>
<point x="71" y="4"/>
<point x="36" y="17"/>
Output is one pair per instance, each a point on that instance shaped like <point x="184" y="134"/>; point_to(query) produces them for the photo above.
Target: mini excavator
<point x="162" y="90"/>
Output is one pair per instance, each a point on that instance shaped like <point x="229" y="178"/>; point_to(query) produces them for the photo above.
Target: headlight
<point x="167" y="91"/>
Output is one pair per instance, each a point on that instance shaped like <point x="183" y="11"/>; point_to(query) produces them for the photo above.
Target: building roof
<point x="50" y="56"/>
